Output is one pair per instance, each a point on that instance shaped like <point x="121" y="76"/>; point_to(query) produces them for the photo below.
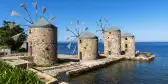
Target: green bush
<point x="3" y="46"/>
<point x="10" y="75"/>
<point x="8" y="36"/>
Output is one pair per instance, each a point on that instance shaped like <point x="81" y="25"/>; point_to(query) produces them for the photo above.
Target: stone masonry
<point x="128" y="44"/>
<point x="87" y="46"/>
<point x="112" y="42"/>
<point x="43" y="43"/>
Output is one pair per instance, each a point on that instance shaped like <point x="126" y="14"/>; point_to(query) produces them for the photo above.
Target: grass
<point x="10" y="75"/>
<point x="3" y="46"/>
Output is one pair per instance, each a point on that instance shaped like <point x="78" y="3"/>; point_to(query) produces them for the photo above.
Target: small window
<point x="109" y="32"/>
<point x="108" y="37"/>
<point x="109" y="52"/>
<point x="125" y="38"/>
<point x="126" y="46"/>
<point x="47" y="49"/>
<point x="80" y="41"/>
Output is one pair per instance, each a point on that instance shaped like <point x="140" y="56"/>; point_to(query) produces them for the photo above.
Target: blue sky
<point x="146" y="19"/>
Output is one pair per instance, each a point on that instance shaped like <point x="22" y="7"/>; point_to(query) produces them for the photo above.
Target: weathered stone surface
<point x="44" y="45"/>
<point x="47" y="78"/>
<point x="77" y="68"/>
<point x="18" y="63"/>
<point x="5" y="51"/>
<point x="87" y="49"/>
<point x="112" y="43"/>
<point x="142" y="56"/>
<point x="128" y="45"/>
<point x="42" y="40"/>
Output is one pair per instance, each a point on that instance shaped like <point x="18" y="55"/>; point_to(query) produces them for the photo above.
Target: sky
<point x="146" y="19"/>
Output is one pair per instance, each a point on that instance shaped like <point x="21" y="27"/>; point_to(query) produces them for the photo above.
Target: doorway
<point x="80" y="55"/>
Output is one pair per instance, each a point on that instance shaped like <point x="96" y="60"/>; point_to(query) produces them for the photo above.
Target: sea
<point x="127" y="71"/>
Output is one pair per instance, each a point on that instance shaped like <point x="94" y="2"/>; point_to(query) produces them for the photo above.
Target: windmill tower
<point x="112" y="42"/>
<point x="88" y="46"/>
<point x="87" y="42"/>
<point x="42" y="37"/>
<point x="128" y="44"/>
<point x="112" y="38"/>
<point x="43" y="44"/>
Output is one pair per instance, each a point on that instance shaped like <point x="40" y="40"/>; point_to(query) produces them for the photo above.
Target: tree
<point x="9" y="30"/>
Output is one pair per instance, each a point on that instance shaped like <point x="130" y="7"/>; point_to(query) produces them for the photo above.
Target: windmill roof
<point x="42" y="23"/>
<point x="127" y="35"/>
<point x="112" y="29"/>
<point x="87" y="35"/>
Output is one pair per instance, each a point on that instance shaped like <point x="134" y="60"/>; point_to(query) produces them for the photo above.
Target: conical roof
<point x="42" y="23"/>
<point x="87" y="35"/>
<point x="112" y="29"/>
<point x="127" y="35"/>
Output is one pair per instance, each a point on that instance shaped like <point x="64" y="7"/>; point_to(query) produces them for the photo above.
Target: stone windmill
<point x="42" y="37"/>
<point x="112" y="38"/>
<point x="87" y="42"/>
<point x="128" y="44"/>
<point x="88" y="46"/>
<point x="76" y="31"/>
<point x="30" y="20"/>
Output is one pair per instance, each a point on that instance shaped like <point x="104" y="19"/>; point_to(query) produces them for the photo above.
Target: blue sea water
<point x="128" y="72"/>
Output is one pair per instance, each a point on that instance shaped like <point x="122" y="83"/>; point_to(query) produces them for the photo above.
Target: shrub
<point x="3" y="46"/>
<point x="10" y="75"/>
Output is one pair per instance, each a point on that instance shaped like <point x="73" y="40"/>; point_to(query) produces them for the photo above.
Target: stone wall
<point x="5" y="51"/>
<point x="44" y="45"/>
<point x="112" y="43"/>
<point x="18" y="54"/>
<point x="128" y="45"/>
<point x="87" y="49"/>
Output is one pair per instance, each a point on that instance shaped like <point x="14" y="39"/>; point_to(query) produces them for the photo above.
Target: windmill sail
<point x="44" y="10"/>
<point x="35" y="5"/>
<point x="24" y="45"/>
<point x="12" y="25"/>
<point x="78" y="31"/>
<point x="51" y="18"/>
<point x="102" y="23"/>
<point x="86" y="28"/>
<point x="14" y="13"/>
<point x="69" y="45"/>
<point x="74" y="51"/>
<point x="23" y="6"/>
<point x="16" y="37"/>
